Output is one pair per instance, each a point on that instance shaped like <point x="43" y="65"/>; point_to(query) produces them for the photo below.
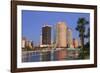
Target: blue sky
<point x="32" y="22"/>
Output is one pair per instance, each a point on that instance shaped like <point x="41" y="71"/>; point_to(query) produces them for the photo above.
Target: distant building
<point x="40" y="39"/>
<point x="61" y="34"/>
<point x="30" y="44"/>
<point x="75" y="43"/>
<point x="23" y="42"/>
<point x="46" y="35"/>
<point x="69" y="38"/>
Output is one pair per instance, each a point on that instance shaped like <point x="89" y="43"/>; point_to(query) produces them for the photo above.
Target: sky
<point x="33" y="21"/>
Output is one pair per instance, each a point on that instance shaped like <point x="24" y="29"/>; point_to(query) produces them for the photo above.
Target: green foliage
<point x="81" y="26"/>
<point x="81" y="23"/>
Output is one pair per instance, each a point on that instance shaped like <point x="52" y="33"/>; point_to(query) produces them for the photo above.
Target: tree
<point x="81" y="23"/>
<point x="87" y="45"/>
<point x="88" y="34"/>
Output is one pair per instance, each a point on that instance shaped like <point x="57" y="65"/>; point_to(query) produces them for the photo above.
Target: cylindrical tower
<point x="61" y="35"/>
<point x="69" y="38"/>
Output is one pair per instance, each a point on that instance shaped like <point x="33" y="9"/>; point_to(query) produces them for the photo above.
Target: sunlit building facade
<point x="69" y="38"/>
<point x="61" y="34"/>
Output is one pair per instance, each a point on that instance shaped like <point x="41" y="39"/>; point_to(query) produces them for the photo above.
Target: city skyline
<point x="33" y="21"/>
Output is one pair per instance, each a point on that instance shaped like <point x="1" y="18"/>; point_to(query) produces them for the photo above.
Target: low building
<point x="75" y="43"/>
<point x="23" y="42"/>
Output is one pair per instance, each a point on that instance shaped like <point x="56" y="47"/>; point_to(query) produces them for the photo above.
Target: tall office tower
<point x="69" y="38"/>
<point x="61" y="34"/>
<point x="46" y="35"/>
<point x="75" y="43"/>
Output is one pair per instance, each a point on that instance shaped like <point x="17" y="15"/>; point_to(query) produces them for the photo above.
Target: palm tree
<point x="81" y="23"/>
<point x="87" y="45"/>
<point x="88" y="34"/>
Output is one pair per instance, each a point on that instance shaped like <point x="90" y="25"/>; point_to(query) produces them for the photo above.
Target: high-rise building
<point x="69" y="38"/>
<point x="46" y="35"/>
<point x="61" y="34"/>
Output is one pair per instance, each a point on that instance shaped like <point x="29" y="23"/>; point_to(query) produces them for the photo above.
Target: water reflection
<point x="54" y="54"/>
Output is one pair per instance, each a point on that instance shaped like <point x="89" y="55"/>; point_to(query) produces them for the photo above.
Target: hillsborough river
<point x="51" y="55"/>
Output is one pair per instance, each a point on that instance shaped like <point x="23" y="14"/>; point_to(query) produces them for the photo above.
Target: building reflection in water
<point x="57" y="54"/>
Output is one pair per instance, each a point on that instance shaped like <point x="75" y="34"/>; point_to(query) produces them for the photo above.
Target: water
<point x="50" y="55"/>
<point x="31" y="56"/>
